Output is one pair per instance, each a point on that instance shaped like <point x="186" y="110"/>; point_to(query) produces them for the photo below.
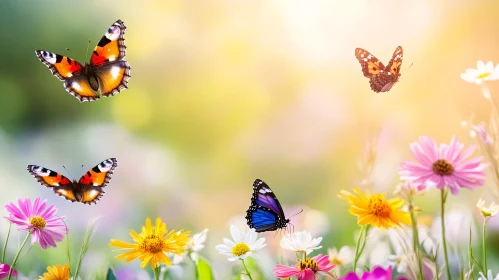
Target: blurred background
<point x="224" y="92"/>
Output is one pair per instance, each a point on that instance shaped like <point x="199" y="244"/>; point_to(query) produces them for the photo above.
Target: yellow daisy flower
<point x="152" y="244"/>
<point x="375" y="209"/>
<point x="58" y="272"/>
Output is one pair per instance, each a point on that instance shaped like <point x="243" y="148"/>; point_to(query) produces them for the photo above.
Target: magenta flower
<point x="4" y="270"/>
<point x="447" y="165"/>
<point x="45" y="227"/>
<point x="305" y="269"/>
<point x="377" y="273"/>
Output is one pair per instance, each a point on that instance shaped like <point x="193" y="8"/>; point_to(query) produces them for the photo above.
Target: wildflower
<point x="377" y="273"/>
<point x="409" y="188"/>
<point x="340" y="258"/>
<point x="152" y="243"/>
<point x="489" y="276"/>
<point x="305" y="269"/>
<point x="400" y="260"/>
<point x="442" y="166"/>
<point x="482" y="133"/>
<point x="196" y="244"/>
<point x="240" y="247"/>
<point x="487" y="211"/>
<point x="40" y="220"/>
<point x="375" y="209"/>
<point x="58" y="272"/>
<point x="4" y="270"/>
<point x="484" y="72"/>
<point x="301" y="242"/>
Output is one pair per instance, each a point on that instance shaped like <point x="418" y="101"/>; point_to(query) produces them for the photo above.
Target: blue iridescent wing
<point x="265" y="212"/>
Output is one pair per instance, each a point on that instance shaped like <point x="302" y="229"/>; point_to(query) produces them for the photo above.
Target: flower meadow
<point x="248" y="140"/>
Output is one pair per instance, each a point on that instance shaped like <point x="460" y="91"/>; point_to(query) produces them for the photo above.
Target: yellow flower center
<point x="442" y="167"/>
<point x="37" y="222"/>
<point x="308" y="263"/>
<point x="335" y="260"/>
<point x="152" y="244"/>
<point x="483" y="75"/>
<point x="379" y="206"/>
<point x="240" y="249"/>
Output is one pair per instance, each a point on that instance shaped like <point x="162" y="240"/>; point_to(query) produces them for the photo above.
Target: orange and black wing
<point x="51" y="179"/>
<point x="393" y="66"/>
<point x="371" y="66"/>
<point x="92" y="182"/>
<point x="72" y="73"/>
<point x="107" y="61"/>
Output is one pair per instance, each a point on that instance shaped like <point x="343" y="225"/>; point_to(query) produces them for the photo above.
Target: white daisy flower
<point x="489" y="211"/>
<point x="301" y="242"/>
<point x="241" y="246"/>
<point x="484" y="72"/>
<point x="399" y="260"/>
<point x="342" y="257"/>
<point x="489" y="276"/>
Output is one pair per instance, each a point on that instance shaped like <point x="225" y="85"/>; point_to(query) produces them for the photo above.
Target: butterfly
<point x="87" y="190"/>
<point x="107" y="71"/>
<point x="381" y="78"/>
<point x="265" y="212"/>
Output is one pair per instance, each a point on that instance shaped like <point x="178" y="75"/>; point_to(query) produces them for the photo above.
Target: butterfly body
<point x="381" y="78"/>
<point x="265" y="212"/>
<point x="107" y="72"/>
<point x="86" y="190"/>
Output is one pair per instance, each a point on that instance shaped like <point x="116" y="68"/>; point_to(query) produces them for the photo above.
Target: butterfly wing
<point x="265" y="212"/>
<point x="92" y="182"/>
<point x="51" y="179"/>
<point x="371" y="66"/>
<point x="72" y="73"/>
<point x="393" y="66"/>
<point x="107" y="61"/>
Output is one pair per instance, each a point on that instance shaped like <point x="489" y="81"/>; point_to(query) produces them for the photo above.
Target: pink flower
<point x="4" y="270"/>
<point x="482" y="133"/>
<point x="45" y="227"/>
<point x="447" y="165"/>
<point x="377" y="273"/>
<point x="305" y="269"/>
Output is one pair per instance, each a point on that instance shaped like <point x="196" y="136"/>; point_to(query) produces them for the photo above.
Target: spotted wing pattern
<point x="381" y="78"/>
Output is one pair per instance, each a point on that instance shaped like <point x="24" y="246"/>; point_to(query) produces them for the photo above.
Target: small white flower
<point x="399" y="260"/>
<point x="301" y="242"/>
<point x="241" y="246"/>
<point x="341" y="258"/>
<point x="484" y="72"/>
<point x="489" y="211"/>
<point x="489" y="276"/>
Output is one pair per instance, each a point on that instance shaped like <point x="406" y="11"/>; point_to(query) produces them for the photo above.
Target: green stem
<point x="194" y="263"/>
<point x="156" y="272"/>
<point x="470" y="256"/>
<point x="415" y="235"/>
<point x="357" y="253"/>
<point x="444" y="242"/>
<point x="483" y="244"/>
<point x="304" y="255"/>
<point x="247" y="271"/>
<point x="5" y="245"/>
<point x="17" y="255"/>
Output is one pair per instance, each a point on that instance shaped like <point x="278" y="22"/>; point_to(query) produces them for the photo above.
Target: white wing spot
<point x="76" y="86"/>
<point x="112" y="57"/>
<point x="113" y="33"/>
<point x="365" y="59"/>
<point x="115" y="72"/>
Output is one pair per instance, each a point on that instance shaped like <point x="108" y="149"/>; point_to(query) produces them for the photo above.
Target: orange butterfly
<point x="381" y="78"/>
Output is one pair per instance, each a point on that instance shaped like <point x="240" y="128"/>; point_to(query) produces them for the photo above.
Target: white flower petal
<point x="480" y="65"/>
<point x="489" y="67"/>
<point x="229" y="242"/>
<point x="236" y="234"/>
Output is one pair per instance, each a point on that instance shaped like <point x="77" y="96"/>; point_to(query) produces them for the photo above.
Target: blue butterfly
<point x="265" y="212"/>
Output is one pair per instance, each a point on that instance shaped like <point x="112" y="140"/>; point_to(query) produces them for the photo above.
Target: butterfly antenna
<point x="408" y="67"/>
<point x="297" y="213"/>
<point x="88" y="45"/>
<point x="72" y="178"/>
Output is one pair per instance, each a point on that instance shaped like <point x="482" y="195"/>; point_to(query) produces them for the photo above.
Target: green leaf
<point x="204" y="270"/>
<point x="110" y="275"/>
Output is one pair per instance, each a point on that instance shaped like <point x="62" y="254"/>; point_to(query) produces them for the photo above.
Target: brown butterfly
<point x="381" y="78"/>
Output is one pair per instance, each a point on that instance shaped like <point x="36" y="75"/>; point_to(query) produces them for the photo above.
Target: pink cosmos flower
<point x="4" y="270"/>
<point x="377" y="273"/>
<point x="45" y="227"/>
<point x="305" y="269"/>
<point x="447" y="165"/>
